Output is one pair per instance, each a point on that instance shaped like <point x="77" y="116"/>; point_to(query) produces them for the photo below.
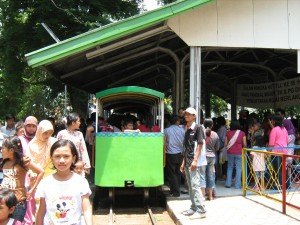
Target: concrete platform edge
<point x="171" y="213"/>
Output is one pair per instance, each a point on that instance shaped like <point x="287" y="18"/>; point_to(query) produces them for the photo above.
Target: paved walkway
<point x="231" y="208"/>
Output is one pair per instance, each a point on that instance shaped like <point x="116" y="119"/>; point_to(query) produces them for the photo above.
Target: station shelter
<point x="246" y="52"/>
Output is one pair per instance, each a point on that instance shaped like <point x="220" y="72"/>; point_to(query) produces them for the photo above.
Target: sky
<point x="150" y="4"/>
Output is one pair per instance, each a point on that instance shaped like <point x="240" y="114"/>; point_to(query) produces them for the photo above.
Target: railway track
<point x="135" y="217"/>
<point x="129" y="209"/>
<point x="132" y="216"/>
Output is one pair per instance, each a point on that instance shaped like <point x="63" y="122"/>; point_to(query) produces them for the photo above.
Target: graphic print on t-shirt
<point x="9" y="180"/>
<point x="61" y="210"/>
<point x="63" y="207"/>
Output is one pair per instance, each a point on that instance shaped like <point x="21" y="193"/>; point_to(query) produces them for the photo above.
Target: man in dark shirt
<point x="193" y="142"/>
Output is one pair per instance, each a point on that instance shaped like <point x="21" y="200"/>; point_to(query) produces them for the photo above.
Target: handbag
<point x="223" y="151"/>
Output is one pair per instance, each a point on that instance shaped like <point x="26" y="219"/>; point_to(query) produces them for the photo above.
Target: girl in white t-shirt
<point x="64" y="195"/>
<point x="258" y="163"/>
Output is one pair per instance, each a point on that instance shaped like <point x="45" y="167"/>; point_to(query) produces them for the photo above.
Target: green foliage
<point x="39" y="98"/>
<point x="218" y="105"/>
<point x="291" y="111"/>
<point x="168" y="104"/>
<point x="27" y="91"/>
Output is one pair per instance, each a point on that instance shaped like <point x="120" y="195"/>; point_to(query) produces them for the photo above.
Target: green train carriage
<point x="132" y="159"/>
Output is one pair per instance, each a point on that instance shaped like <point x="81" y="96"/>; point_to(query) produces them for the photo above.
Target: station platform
<point x="231" y="208"/>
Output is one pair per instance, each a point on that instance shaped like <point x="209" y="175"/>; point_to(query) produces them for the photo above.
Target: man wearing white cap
<point x="192" y="161"/>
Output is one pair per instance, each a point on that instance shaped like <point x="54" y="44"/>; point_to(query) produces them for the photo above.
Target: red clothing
<point x="236" y="148"/>
<point x="143" y="128"/>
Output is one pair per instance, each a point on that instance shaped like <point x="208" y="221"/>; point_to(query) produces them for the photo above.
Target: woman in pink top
<point x="278" y="139"/>
<point x="235" y="141"/>
<point x="278" y="136"/>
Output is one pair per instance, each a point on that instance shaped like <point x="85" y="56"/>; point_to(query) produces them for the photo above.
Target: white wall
<point x="241" y="23"/>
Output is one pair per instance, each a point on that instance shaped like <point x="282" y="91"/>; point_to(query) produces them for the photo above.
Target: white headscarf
<point x="39" y="147"/>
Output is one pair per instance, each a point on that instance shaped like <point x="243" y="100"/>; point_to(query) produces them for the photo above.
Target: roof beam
<point x="103" y="63"/>
<point x="117" y="73"/>
<point x="128" y="41"/>
<point x="154" y="78"/>
<point x="242" y="64"/>
<point x="141" y="54"/>
<point x="142" y="72"/>
<point x="141" y="48"/>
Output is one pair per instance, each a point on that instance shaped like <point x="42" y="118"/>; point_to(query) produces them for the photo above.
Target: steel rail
<point x="152" y="218"/>
<point x="111" y="216"/>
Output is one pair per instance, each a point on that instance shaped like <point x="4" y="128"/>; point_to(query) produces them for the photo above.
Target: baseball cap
<point x="31" y="120"/>
<point x="191" y="110"/>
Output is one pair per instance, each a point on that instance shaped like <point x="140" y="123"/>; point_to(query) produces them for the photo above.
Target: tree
<point x="218" y="105"/>
<point x="21" y="32"/>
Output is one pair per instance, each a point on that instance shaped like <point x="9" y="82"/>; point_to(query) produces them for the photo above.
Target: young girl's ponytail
<point x="15" y="144"/>
<point x="208" y="124"/>
<point x="207" y="131"/>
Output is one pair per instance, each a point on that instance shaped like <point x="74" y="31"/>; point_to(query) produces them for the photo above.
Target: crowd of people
<point x="44" y="173"/>
<point x="199" y="154"/>
<point x="43" y="162"/>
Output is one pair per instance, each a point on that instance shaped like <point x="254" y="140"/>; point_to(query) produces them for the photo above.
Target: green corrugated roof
<point x="108" y="33"/>
<point x="129" y="89"/>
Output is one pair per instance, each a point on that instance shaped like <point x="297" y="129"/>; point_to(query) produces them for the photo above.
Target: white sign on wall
<point x="269" y="95"/>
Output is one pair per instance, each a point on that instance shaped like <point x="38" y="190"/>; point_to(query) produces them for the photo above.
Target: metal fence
<point x="272" y="175"/>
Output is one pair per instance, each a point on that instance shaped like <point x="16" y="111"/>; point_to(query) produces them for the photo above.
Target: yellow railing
<point x="272" y="175"/>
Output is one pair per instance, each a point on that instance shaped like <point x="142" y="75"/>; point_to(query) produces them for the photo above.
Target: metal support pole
<point x="283" y="181"/>
<point x="192" y="77"/>
<point x="244" y="173"/>
<point x="207" y="103"/>
<point x="177" y="87"/>
<point x="97" y="113"/>
<point x="50" y="32"/>
<point x="162" y="115"/>
<point x="195" y="80"/>
<point x="182" y="76"/>
<point x="233" y="101"/>
<point x="66" y="101"/>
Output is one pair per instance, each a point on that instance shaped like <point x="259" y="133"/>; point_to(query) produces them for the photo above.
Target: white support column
<point x="192" y="77"/>
<point x="195" y="79"/>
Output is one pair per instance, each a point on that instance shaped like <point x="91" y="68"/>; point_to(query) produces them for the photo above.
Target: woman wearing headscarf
<point x="39" y="151"/>
<point x="39" y="146"/>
